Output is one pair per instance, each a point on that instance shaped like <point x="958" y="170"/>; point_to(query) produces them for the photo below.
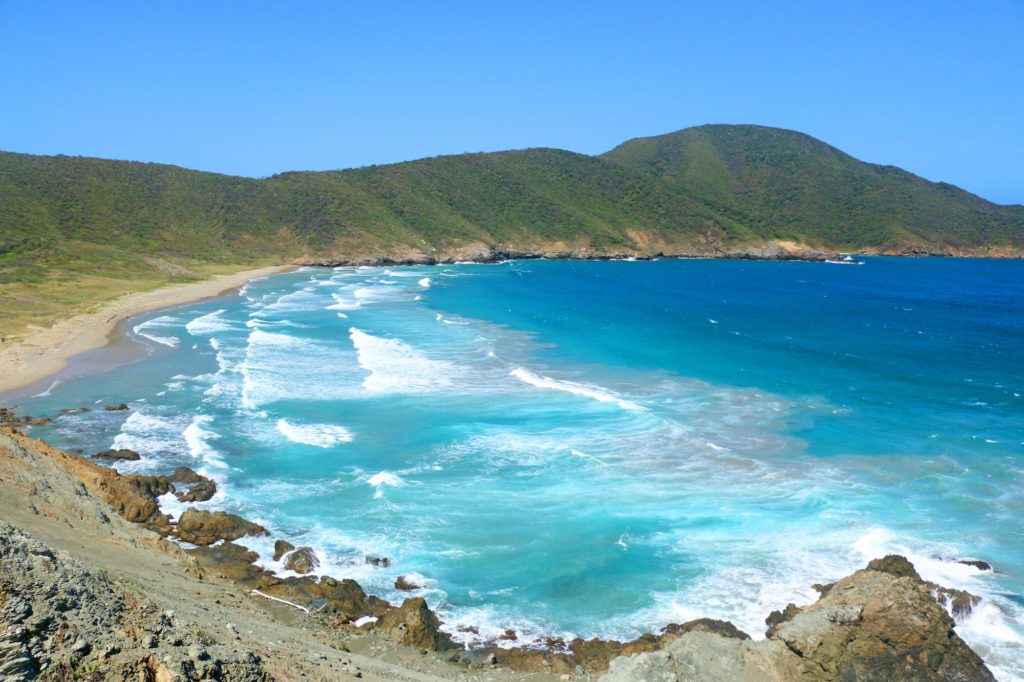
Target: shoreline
<point x="46" y="352"/>
<point x="884" y="617"/>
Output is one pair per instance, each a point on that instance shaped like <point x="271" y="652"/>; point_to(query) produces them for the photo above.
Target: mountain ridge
<point x="74" y="230"/>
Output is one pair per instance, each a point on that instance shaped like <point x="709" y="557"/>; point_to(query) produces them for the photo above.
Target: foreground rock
<point x="414" y="624"/>
<point x="881" y="623"/>
<point x="65" y="622"/>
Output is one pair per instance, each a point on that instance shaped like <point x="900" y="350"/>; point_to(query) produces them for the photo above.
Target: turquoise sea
<point x="601" y="448"/>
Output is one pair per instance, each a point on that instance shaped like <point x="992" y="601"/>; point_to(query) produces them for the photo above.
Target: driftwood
<point x="283" y="601"/>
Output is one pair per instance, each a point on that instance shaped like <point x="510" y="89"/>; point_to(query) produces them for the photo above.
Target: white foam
<point x="196" y="437"/>
<point x="397" y="367"/>
<point x="425" y="282"/>
<point x="383" y="478"/>
<point x="319" y="435"/>
<point x="146" y="329"/>
<point x="48" y="391"/>
<point x="211" y="323"/>
<point x="576" y="388"/>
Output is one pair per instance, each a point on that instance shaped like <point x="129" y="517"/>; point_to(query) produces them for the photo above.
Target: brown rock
<point x="509" y="635"/>
<point x="187" y="476"/>
<point x="200" y="492"/>
<point x="302" y="560"/>
<point x="414" y="624"/>
<point x="282" y="547"/>
<point x="402" y="583"/>
<point x="978" y="564"/>
<point x="120" y="454"/>
<point x="896" y="565"/>
<point x="116" y="408"/>
<point x="205" y="528"/>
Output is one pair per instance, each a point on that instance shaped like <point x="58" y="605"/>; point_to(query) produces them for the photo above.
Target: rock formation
<point x="881" y="623"/>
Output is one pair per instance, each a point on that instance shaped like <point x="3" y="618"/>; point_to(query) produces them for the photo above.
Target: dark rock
<point x="379" y="561"/>
<point x="187" y="476"/>
<point x="116" y="408"/>
<point x="200" y="492"/>
<point x="978" y="564"/>
<point x="119" y="454"/>
<point x="414" y="624"/>
<point x="205" y="528"/>
<point x="821" y="589"/>
<point x="282" y="547"/>
<point x="896" y="565"/>
<point x="777" y="618"/>
<point x="402" y="583"/>
<point x="73" y="410"/>
<point x="302" y="560"/>
<point x="717" y="627"/>
<point x="509" y="635"/>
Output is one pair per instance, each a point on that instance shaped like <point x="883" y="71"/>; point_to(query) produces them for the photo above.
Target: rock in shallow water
<point x="302" y="560"/>
<point x="120" y="454"/>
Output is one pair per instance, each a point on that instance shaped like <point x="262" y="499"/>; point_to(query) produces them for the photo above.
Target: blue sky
<point x="254" y="88"/>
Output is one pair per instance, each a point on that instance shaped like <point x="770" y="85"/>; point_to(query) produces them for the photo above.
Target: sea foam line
<point x="576" y="388"/>
<point x="318" y="435"/>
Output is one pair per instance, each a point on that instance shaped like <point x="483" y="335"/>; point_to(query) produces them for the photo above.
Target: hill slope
<point x="75" y="230"/>
<point x="786" y="184"/>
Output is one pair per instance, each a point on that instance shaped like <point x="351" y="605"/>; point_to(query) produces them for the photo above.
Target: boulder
<point x="977" y="563"/>
<point x="302" y="560"/>
<point x="404" y="584"/>
<point x="200" y="492"/>
<point x="414" y="624"/>
<point x="187" y="476"/>
<point x="134" y="496"/>
<point x="282" y="547"/>
<point x="378" y="561"/>
<point x="881" y="623"/>
<point x="116" y="408"/>
<point x="119" y="454"/>
<point x="205" y="528"/>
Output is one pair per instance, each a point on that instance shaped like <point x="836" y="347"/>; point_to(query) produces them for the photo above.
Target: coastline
<point x="73" y="521"/>
<point x="45" y="352"/>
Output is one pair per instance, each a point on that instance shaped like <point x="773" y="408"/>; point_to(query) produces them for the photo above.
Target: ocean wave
<point x="576" y="388"/>
<point x="384" y="478"/>
<point x="425" y="282"/>
<point x="396" y="367"/>
<point x="210" y="323"/>
<point x="165" y="322"/>
<point x="319" y="435"/>
<point x="196" y="437"/>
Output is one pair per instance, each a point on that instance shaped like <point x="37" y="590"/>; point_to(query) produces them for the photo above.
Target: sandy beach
<point x="43" y="352"/>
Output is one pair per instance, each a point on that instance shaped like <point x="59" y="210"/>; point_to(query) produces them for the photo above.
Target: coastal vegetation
<point x="74" y="231"/>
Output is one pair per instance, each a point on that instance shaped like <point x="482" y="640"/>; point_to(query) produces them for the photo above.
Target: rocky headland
<point x="94" y="585"/>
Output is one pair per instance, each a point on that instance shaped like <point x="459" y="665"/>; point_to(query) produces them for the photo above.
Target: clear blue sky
<point x="255" y="88"/>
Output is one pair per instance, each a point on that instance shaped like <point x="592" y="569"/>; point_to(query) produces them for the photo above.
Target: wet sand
<point x="29" y="360"/>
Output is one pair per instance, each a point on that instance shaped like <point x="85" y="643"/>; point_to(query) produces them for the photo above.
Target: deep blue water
<point x="600" y="448"/>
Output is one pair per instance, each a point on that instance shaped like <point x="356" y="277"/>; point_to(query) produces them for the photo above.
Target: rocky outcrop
<point x="282" y="547"/>
<point x="9" y="417"/>
<point x="881" y="623"/>
<point x="302" y="560"/>
<point x="121" y="454"/>
<point x="201" y="488"/>
<point x="406" y="585"/>
<point x="116" y="408"/>
<point x="414" y="624"/>
<point x="201" y="527"/>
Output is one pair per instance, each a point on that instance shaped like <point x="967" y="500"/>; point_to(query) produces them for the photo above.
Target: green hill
<point x="77" y="230"/>
<point x="788" y="185"/>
